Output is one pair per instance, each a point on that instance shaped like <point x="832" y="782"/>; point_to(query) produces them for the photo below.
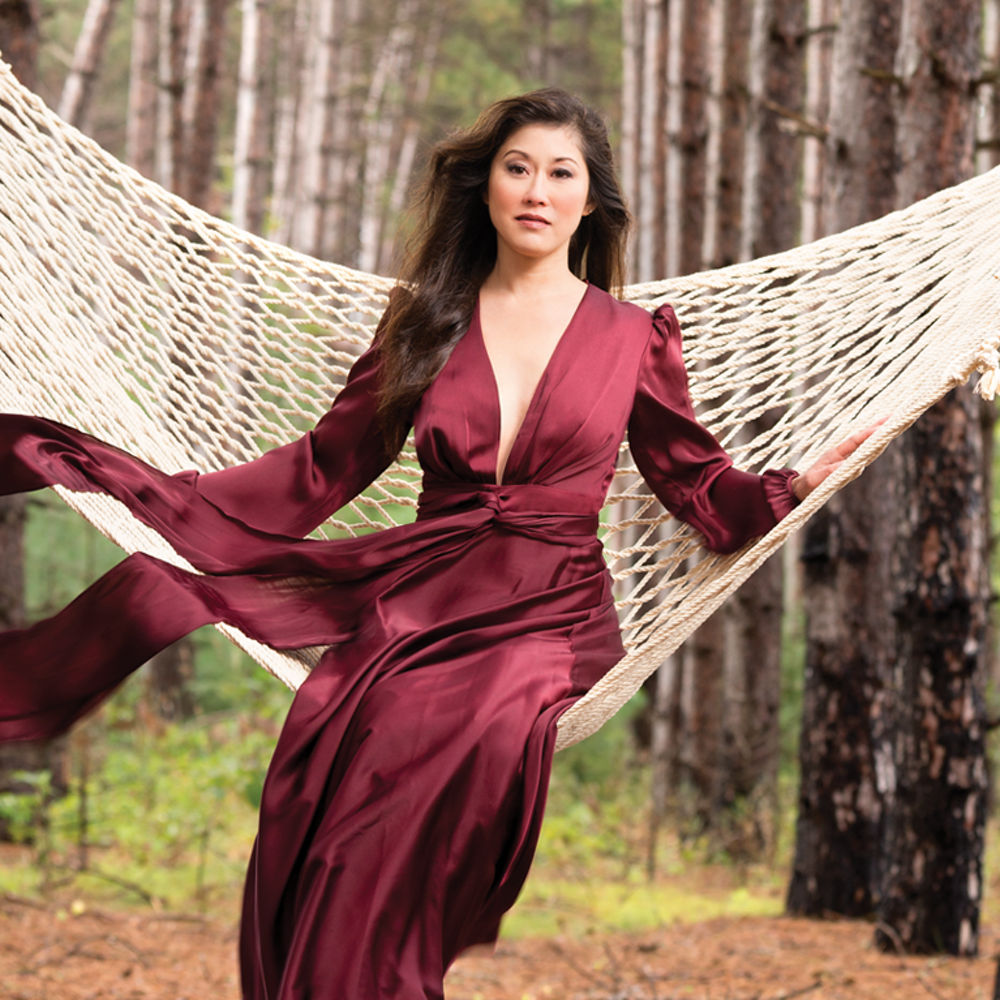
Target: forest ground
<point x="67" y="950"/>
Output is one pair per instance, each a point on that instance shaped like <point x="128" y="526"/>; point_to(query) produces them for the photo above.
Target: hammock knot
<point x="988" y="366"/>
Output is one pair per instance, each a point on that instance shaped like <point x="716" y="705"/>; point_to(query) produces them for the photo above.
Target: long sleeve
<point x="293" y="488"/>
<point x="684" y="465"/>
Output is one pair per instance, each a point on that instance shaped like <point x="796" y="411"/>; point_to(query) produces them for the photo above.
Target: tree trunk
<point x="143" y="89"/>
<point x="290" y="19"/>
<point x="169" y="117"/>
<point x="772" y="207"/>
<point x="849" y="623"/>
<point x="628" y="156"/>
<point x="538" y="21"/>
<point x="251" y="167"/>
<point x="168" y="682"/>
<point x="702" y="687"/>
<point x="74" y="106"/>
<point x="664" y="692"/>
<point x="317" y="110"/>
<point x="818" y="72"/>
<point x="648" y="195"/>
<point x="202" y="99"/>
<point x="723" y="242"/>
<point x="402" y="180"/>
<point x="771" y="223"/>
<point x="933" y="842"/>
<point x="716" y="741"/>
<point x="381" y="117"/>
<point x="991" y="94"/>
<point x="19" y="21"/>
<point x="687" y="206"/>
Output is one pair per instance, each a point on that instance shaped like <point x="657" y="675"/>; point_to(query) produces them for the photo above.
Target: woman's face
<point x="538" y="191"/>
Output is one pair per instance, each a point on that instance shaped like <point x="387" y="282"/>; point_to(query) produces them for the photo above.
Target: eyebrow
<point x="558" y="159"/>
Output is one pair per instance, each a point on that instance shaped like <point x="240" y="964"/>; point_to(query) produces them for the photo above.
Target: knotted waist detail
<point x="543" y="512"/>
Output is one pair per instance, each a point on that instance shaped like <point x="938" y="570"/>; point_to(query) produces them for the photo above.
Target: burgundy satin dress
<point x="405" y="796"/>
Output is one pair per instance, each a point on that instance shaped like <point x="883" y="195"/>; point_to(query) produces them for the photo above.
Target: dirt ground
<point x="50" y="952"/>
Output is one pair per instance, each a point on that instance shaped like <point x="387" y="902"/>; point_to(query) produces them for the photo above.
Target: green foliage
<point x="169" y="814"/>
<point x="20" y="811"/>
<point x="593" y="905"/>
<point x="590" y="867"/>
<point x="484" y="56"/>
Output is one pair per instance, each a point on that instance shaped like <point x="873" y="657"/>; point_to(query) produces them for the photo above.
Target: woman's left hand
<point x="804" y="484"/>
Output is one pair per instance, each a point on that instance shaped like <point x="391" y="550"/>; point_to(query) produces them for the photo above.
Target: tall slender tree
<point x="818" y="62"/>
<point x="771" y="222"/>
<point x="172" y="40"/>
<point x="933" y="840"/>
<point x="383" y="110"/>
<point x="143" y="89"/>
<point x="78" y="89"/>
<point x="251" y="162"/>
<point x="202" y="101"/>
<point x="845" y="552"/>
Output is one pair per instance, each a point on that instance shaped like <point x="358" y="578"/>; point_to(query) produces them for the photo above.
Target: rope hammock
<point x="191" y="343"/>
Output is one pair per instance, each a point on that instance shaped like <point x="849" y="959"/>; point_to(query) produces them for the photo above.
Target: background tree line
<point x="743" y="127"/>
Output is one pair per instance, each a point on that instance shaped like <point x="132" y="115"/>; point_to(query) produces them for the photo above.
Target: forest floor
<point x="72" y="951"/>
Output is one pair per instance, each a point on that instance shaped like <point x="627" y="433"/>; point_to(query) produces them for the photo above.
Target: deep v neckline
<point x="498" y="473"/>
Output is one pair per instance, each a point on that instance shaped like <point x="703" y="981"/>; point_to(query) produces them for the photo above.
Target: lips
<point x="533" y="220"/>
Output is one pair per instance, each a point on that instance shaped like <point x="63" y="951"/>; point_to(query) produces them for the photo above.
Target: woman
<point x="403" y="803"/>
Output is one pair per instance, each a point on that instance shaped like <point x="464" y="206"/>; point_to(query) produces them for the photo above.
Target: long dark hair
<point x="452" y="248"/>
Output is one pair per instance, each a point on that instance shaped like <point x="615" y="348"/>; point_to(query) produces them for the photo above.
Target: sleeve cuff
<point x="778" y="491"/>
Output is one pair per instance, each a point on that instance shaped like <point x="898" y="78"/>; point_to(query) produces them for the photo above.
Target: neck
<point x="532" y="277"/>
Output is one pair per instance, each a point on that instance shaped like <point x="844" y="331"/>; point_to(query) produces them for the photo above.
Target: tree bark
<point x="317" y="109"/>
<point x="772" y="207"/>
<point x="202" y="102"/>
<point x="143" y="90"/>
<point x="74" y="105"/>
<point x="818" y="72"/>
<point x="628" y="157"/>
<point x="423" y="73"/>
<point x="251" y="158"/>
<point x="382" y="113"/>
<point x="933" y="841"/>
<point x="845" y="762"/>
<point x="723" y="242"/>
<point x="347" y="150"/>
<point x="708" y="715"/>
<point x="648" y="195"/>
<point x="538" y="21"/>
<point x="168" y="682"/>
<point x="169" y="117"/>
<point x="991" y="95"/>
<point x="19" y="20"/>
<point x="687" y="207"/>
<point x="290" y="18"/>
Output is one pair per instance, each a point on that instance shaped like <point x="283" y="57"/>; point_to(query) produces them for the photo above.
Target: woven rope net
<point x="132" y="315"/>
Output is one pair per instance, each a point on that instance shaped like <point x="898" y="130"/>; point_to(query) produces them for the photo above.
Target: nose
<point x="536" y="192"/>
